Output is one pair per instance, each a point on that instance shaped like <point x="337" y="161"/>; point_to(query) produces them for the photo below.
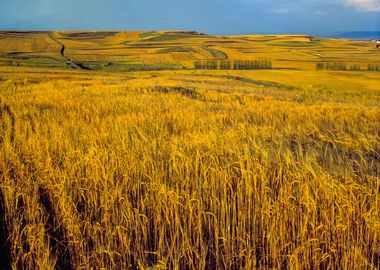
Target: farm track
<point x="54" y="228"/>
<point x="93" y="51"/>
<point x="69" y="62"/>
<point x="56" y="232"/>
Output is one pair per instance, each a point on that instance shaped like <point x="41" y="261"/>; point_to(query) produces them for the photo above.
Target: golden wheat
<point x="187" y="173"/>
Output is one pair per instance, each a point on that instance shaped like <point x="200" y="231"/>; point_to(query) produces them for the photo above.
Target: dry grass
<point x="187" y="172"/>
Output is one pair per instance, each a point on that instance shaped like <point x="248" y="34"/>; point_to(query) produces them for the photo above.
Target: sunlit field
<point x="117" y="153"/>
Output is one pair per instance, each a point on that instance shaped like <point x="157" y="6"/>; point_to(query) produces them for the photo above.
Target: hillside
<point x="123" y="51"/>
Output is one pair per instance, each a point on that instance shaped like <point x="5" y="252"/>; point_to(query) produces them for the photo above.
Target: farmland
<point x="117" y="153"/>
<point x="123" y="51"/>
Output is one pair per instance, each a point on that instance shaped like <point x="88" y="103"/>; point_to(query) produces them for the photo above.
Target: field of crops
<point x="177" y="168"/>
<point x="162" y="50"/>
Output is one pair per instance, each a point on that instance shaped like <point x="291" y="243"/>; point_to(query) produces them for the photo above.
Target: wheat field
<point x="189" y="169"/>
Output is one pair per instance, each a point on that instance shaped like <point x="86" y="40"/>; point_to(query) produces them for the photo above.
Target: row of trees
<point x="331" y="66"/>
<point x="374" y="67"/>
<point x="235" y="65"/>
<point x="343" y="66"/>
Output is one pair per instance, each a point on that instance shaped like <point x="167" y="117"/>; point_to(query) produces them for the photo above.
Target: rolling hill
<point x="163" y="50"/>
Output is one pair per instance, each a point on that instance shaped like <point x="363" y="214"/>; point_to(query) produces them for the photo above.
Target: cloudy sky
<point x="210" y="16"/>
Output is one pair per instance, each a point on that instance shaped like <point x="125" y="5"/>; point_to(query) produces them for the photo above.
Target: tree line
<point x="374" y="67"/>
<point x="233" y="65"/>
<point x="344" y="66"/>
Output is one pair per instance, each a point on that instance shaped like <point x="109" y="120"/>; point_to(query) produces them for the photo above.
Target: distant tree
<point x="213" y="65"/>
<point x="241" y="65"/>
<point x="225" y="65"/>
<point x="373" y="67"/>
<point x="236" y="65"/>
<point x="336" y="66"/>
<point x="320" y="66"/>
<point x="268" y="64"/>
<point x="209" y="64"/>
<point x="355" y="67"/>
<point x="248" y="65"/>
